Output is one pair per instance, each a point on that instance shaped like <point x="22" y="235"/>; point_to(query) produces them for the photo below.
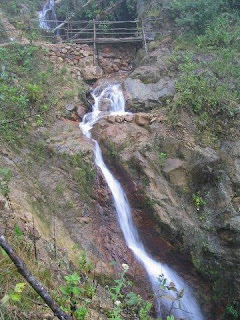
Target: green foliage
<point x="34" y="93"/>
<point x="5" y="176"/>
<point x="18" y="97"/>
<point x="3" y="34"/>
<point x="202" y="91"/>
<point x="14" y="8"/>
<point x="72" y="293"/>
<point x="130" y="301"/>
<point x="18" y="232"/>
<point x="112" y="151"/>
<point x="193" y="15"/>
<point x="14" y="295"/>
<point x="221" y="32"/>
<point x="170" y="292"/>
<point x="233" y="311"/>
<point x="198" y="201"/>
<point x="83" y="173"/>
<point x="85" y="265"/>
<point x="126" y="10"/>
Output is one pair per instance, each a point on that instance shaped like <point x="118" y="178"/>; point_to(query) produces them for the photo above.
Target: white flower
<point x="117" y="303"/>
<point x="125" y="266"/>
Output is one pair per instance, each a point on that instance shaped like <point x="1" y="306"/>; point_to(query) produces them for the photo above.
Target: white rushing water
<point x="154" y="269"/>
<point x="47" y="17"/>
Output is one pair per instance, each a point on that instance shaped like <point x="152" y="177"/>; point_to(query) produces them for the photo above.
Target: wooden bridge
<point x="90" y="32"/>
<point x="97" y="32"/>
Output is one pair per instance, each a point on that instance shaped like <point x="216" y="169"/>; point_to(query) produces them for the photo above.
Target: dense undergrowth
<point x="29" y="91"/>
<point x="207" y="56"/>
<point x="106" y="9"/>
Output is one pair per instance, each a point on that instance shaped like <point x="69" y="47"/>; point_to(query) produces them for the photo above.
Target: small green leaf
<point x="16" y="297"/>
<point x="19" y="287"/>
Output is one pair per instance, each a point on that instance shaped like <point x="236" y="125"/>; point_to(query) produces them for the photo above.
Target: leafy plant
<point x="5" y="176"/>
<point x="169" y="292"/>
<point x="132" y="302"/>
<point x="15" y="295"/>
<point x="72" y="292"/>
<point x="18" y="232"/>
<point x="198" y="201"/>
<point x="194" y="16"/>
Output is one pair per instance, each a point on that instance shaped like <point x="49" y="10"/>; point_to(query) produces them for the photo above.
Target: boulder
<point x="129" y="117"/>
<point x="81" y="112"/>
<point x="147" y="74"/>
<point x="142" y="119"/>
<point x="92" y="73"/>
<point x="175" y="169"/>
<point x="70" y="107"/>
<point x="141" y="94"/>
<point x="111" y="118"/>
<point x="105" y="104"/>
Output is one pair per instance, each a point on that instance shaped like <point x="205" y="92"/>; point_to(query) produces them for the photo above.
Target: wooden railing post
<point x="94" y="42"/>
<point x="144" y="38"/>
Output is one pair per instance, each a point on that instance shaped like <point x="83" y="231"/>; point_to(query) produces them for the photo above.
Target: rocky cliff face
<point x="182" y="189"/>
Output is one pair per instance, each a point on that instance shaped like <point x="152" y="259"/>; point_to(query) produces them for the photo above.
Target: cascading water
<point x="189" y="308"/>
<point x="47" y="17"/>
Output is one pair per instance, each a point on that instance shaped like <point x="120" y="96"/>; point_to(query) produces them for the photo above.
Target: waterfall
<point x="47" y="17"/>
<point x="189" y="308"/>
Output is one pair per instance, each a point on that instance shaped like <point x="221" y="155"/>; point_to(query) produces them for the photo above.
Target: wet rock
<point x="105" y="104"/>
<point x="92" y="73"/>
<point x="81" y="112"/>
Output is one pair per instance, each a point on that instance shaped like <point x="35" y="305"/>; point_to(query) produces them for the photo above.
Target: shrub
<point x="202" y="91"/>
<point x="222" y="32"/>
<point x="193" y="15"/>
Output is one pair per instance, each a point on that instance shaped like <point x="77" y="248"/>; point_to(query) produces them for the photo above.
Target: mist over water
<point x="190" y="309"/>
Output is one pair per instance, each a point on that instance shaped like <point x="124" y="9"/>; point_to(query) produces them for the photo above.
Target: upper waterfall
<point x="47" y="17"/>
<point x="190" y="309"/>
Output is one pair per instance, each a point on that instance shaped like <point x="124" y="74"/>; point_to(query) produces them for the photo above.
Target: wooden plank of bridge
<point x="110" y="40"/>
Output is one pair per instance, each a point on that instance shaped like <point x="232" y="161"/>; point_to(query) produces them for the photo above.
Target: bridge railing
<point x="93" y="31"/>
<point x="100" y="31"/>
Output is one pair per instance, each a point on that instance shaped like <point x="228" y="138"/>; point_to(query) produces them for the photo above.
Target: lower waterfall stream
<point x="189" y="307"/>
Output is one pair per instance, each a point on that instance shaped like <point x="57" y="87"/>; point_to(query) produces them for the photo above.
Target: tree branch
<point x="70" y="17"/>
<point x="35" y="284"/>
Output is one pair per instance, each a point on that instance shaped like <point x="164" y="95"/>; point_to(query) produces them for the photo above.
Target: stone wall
<point x="80" y="58"/>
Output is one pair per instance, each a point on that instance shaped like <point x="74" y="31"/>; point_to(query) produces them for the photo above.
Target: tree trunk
<point x="35" y="284"/>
